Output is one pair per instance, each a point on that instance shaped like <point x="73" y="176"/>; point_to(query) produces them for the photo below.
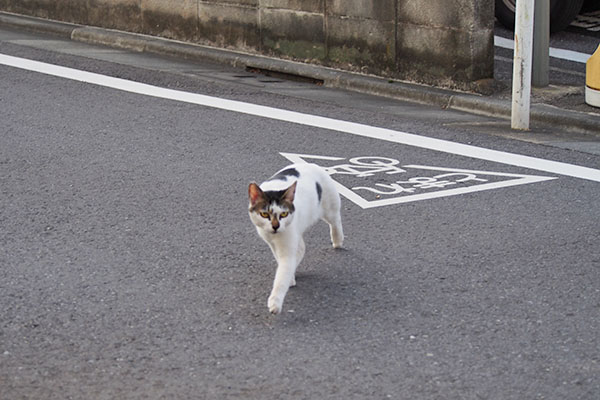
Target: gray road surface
<point x="130" y="268"/>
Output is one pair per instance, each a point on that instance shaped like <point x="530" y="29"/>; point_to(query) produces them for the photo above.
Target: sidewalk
<point x="558" y="105"/>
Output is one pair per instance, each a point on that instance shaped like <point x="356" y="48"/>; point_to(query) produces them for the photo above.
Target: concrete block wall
<point x="451" y="38"/>
<point x="361" y="35"/>
<point x="439" y="42"/>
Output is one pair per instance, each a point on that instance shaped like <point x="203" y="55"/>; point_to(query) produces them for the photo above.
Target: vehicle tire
<point x="562" y="13"/>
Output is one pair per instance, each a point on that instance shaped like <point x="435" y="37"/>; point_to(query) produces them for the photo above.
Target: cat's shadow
<point x="334" y="285"/>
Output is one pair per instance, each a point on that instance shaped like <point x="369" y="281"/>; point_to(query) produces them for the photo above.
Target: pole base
<point x="592" y="96"/>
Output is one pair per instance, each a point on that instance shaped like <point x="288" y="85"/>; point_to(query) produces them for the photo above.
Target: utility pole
<point x="541" y="43"/>
<point x="521" y="90"/>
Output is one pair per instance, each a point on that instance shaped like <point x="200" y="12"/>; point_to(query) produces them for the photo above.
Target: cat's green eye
<point x="265" y="215"/>
<point x="283" y="214"/>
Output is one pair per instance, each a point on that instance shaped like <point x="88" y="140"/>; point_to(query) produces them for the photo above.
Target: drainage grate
<point x="278" y="76"/>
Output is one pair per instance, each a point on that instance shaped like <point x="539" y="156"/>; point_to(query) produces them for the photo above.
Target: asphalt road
<point x="562" y="71"/>
<point x="130" y="268"/>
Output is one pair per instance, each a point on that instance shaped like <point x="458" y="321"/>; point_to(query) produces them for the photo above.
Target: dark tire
<point x="562" y="13"/>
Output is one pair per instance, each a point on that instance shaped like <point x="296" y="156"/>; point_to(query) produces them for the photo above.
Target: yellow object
<point x="592" y="79"/>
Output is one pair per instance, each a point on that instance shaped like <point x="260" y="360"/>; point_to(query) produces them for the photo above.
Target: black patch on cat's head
<point x="283" y="198"/>
<point x="319" y="190"/>
<point x="282" y="175"/>
<point x="274" y="196"/>
<point x="261" y="200"/>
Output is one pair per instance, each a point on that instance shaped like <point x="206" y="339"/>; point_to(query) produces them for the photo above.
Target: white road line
<point x="306" y="119"/>
<point x="554" y="52"/>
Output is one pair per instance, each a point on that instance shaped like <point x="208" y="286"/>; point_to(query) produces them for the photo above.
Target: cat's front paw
<point x="337" y="239"/>
<point x="275" y="304"/>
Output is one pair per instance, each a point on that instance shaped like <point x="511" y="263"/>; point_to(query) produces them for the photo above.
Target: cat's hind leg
<point x="334" y="219"/>
<point x="331" y="206"/>
<point x="337" y="233"/>
<point x="299" y="256"/>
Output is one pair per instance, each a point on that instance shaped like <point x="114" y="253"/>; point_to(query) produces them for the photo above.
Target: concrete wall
<point x="440" y="42"/>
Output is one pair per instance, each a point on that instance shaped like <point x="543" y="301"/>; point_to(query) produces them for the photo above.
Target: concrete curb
<point x="63" y="29"/>
<point x="443" y="98"/>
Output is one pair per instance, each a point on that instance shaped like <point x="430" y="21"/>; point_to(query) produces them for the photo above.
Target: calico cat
<point x="283" y="208"/>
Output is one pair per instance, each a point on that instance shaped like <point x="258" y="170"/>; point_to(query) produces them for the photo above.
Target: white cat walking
<point x="283" y="208"/>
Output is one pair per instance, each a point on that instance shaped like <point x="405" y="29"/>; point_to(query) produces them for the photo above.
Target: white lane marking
<point x="401" y="191"/>
<point x="353" y="128"/>
<point x="563" y="54"/>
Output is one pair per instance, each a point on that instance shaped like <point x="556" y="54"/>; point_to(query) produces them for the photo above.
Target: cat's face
<point x="271" y="211"/>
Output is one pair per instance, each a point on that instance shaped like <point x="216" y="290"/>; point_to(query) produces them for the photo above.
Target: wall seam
<point x="325" y="29"/>
<point x="396" y="14"/>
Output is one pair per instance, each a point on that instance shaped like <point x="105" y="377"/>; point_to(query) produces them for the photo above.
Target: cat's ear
<point x="290" y="193"/>
<point x="255" y="193"/>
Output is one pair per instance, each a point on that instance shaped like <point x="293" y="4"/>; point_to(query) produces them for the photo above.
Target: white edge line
<point x="503" y="42"/>
<point x="569" y="55"/>
<point x="307" y="119"/>
<point x="563" y="54"/>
